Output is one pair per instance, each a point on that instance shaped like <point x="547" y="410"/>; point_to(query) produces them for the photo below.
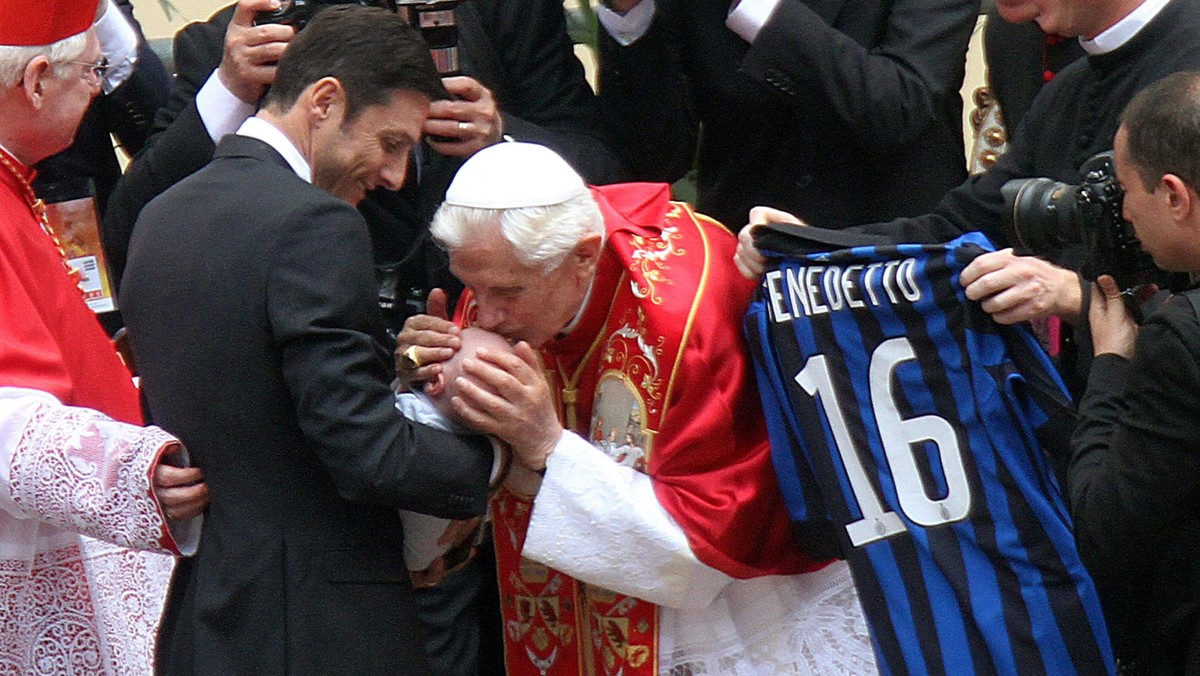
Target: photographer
<point x="1135" y="473"/>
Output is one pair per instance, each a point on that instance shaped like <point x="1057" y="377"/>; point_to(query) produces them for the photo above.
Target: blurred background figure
<point x="840" y="112"/>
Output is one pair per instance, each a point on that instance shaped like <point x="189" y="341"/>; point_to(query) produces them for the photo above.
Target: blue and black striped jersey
<point x="904" y="428"/>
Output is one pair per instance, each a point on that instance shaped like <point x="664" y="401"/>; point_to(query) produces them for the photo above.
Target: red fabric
<point x="49" y="338"/>
<point x="27" y="23"/>
<point x="710" y="457"/>
<point x="712" y="464"/>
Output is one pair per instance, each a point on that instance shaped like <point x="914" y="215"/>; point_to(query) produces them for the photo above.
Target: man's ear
<point x="326" y="101"/>
<point x="1180" y="197"/>
<point x="34" y="80"/>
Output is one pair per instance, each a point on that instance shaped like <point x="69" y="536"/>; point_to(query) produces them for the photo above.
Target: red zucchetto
<point x="29" y="23"/>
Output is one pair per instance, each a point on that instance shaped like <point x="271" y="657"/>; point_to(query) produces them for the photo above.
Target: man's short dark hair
<point x="1162" y="126"/>
<point x="371" y="51"/>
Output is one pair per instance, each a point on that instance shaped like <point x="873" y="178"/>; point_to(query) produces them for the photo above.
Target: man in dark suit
<point x="840" y="111"/>
<point x="520" y="78"/>
<point x="250" y="302"/>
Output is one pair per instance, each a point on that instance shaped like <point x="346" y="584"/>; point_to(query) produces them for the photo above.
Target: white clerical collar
<point x="1124" y="30"/>
<point x="258" y="128"/>
<point x="587" y="297"/>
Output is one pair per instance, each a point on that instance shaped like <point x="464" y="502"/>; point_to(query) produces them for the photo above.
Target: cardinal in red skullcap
<point x="82" y="483"/>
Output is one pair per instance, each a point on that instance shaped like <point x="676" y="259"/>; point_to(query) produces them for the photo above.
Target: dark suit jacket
<point x="518" y="48"/>
<point x="842" y="112"/>
<point x="249" y="297"/>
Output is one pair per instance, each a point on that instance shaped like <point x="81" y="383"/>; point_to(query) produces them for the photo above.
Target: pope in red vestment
<point x="74" y="462"/>
<point x="656" y="541"/>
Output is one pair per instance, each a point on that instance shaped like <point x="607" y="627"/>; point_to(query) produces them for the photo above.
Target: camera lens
<point x="1041" y="214"/>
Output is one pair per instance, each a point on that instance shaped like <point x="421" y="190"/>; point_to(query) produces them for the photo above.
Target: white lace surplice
<point x="70" y="604"/>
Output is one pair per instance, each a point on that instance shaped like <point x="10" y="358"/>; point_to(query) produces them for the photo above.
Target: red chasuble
<point x="657" y="375"/>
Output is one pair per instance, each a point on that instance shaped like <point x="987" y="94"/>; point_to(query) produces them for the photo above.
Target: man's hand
<point x="251" y="52"/>
<point x="471" y="121"/>
<point x="507" y="396"/>
<point x="180" y="491"/>
<point x="1015" y="289"/>
<point x="1113" y="329"/>
<point x="426" y="341"/>
<point x="748" y="258"/>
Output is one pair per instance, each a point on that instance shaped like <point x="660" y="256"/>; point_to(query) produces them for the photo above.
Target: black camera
<point x="436" y="22"/>
<point x="297" y="13"/>
<point x="434" y="19"/>
<point x="1047" y="217"/>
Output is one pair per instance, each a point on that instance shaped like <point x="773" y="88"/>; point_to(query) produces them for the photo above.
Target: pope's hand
<point x="507" y="396"/>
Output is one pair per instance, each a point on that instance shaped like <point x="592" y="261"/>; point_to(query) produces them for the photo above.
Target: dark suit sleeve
<point x="179" y="144"/>
<point x="131" y="107"/>
<point x="1135" y="473"/>
<point x="540" y="85"/>
<point x="319" y="304"/>
<point x="886" y="94"/>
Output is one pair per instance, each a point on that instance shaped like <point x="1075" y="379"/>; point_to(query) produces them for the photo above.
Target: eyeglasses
<point x="96" y="70"/>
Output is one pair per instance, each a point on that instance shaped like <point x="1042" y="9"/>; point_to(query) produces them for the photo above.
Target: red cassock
<point x="70" y="604"/>
<point x="656" y="375"/>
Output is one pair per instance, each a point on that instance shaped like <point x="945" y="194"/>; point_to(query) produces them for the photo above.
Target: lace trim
<point x="79" y="470"/>
<point x="798" y="624"/>
<point x="91" y="608"/>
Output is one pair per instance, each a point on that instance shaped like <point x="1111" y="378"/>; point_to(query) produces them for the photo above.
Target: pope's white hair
<point x="14" y="59"/>
<point x="542" y="236"/>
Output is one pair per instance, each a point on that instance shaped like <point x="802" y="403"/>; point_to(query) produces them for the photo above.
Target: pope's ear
<point x="587" y="252"/>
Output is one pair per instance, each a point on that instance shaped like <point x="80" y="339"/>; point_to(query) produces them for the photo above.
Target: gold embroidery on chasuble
<point x="612" y="391"/>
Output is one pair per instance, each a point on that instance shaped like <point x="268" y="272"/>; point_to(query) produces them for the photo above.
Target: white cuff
<point x="600" y="522"/>
<point x="118" y="44"/>
<point x="629" y="27"/>
<point x="221" y="111"/>
<point x="748" y="18"/>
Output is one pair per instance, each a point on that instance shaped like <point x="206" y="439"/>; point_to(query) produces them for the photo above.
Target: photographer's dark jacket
<point x="1074" y="117"/>
<point x="1135" y="492"/>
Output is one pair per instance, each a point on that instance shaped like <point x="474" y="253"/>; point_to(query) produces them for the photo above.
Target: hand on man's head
<point x="471" y="121"/>
<point x="251" y="52"/>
